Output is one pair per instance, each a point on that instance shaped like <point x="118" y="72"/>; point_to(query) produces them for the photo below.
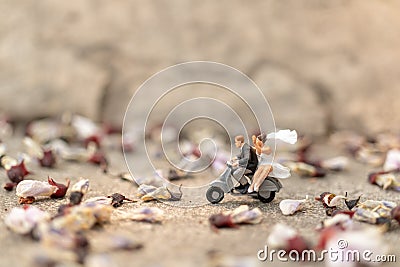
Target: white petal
<point x="290" y="206"/>
<point x="33" y="188"/>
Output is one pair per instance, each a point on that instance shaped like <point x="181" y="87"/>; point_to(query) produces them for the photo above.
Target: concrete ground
<point x="184" y="238"/>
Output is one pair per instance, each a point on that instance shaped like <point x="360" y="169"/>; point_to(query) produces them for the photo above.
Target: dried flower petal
<point x="81" y="186"/>
<point x="386" y="180"/>
<point x="175" y="196"/>
<point x="17" y="172"/>
<point x="33" y="148"/>
<point x="374" y="212"/>
<point x="9" y="186"/>
<point x="144" y="214"/>
<point x="222" y="221"/>
<point x="48" y="160"/>
<point x="392" y="161"/>
<point x="23" y="220"/>
<point x="243" y="215"/>
<point x="33" y="188"/>
<point x="61" y="188"/>
<point x="330" y="200"/>
<point x="145" y="189"/>
<point x="291" y="206"/>
<point x="160" y="193"/>
<point x="286" y="238"/>
<point x="75" y="242"/>
<point x="83" y="217"/>
<point x="98" y="158"/>
<point x="335" y="164"/>
<point x="395" y="213"/>
<point x="341" y="220"/>
<point x="117" y="199"/>
<point x="305" y="169"/>
<point x="240" y="215"/>
<point x="351" y="203"/>
<point x="78" y="190"/>
<point x="7" y="162"/>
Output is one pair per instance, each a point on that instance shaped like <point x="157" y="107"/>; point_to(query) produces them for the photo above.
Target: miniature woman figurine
<point x="265" y="166"/>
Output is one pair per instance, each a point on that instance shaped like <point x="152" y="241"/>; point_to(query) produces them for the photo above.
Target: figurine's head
<point x="239" y="140"/>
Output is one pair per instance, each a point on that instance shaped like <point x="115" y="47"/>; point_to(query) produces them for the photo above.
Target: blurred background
<point x="323" y="65"/>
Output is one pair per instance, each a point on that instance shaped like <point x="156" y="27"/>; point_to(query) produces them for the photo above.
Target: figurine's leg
<point x="251" y="187"/>
<point x="260" y="176"/>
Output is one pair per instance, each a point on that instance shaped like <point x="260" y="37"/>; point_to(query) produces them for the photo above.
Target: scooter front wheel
<point x="215" y="194"/>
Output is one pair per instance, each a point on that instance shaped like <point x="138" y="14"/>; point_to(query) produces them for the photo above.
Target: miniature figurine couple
<point x="255" y="160"/>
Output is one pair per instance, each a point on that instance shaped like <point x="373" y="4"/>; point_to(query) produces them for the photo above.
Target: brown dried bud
<point x="222" y="221"/>
<point x="395" y="213"/>
<point x="9" y="186"/>
<point x="61" y="188"/>
<point x="17" y="173"/>
<point x="117" y="199"/>
<point x="48" y="160"/>
<point x="75" y="198"/>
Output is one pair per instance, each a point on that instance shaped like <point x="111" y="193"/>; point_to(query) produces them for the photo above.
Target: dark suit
<point x="248" y="158"/>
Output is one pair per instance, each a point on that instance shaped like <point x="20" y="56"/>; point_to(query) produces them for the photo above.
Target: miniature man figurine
<point x="246" y="160"/>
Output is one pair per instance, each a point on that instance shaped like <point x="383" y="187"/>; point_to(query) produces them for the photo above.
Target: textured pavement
<point x="184" y="238"/>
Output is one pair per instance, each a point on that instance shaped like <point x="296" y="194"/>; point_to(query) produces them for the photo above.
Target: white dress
<point x="278" y="170"/>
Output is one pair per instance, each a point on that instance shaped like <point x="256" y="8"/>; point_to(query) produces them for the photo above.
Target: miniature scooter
<point x="225" y="184"/>
<point x="267" y="190"/>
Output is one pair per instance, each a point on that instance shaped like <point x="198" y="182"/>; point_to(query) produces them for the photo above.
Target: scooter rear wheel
<point x="215" y="194"/>
<point x="266" y="196"/>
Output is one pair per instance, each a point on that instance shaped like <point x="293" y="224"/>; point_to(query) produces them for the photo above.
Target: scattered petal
<point x="78" y="191"/>
<point x="341" y="220"/>
<point x="83" y="217"/>
<point x="144" y="214"/>
<point x="17" y="172"/>
<point x="243" y="215"/>
<point x="81" y="186"/>
<point x="7" y="162"/>
<point x="304" y="169"/>
<point x="352" y="203"/>
<point x="48" y="160"/>
<point x="330" y="200"/>
<point x="33" y="188"/>
<point x="286" y="238"/>
<point x="386" y="180"/>
<point x="221" y="221"/>
<point x="160" y="193"/>
<point x="240" y="215"/>
<point x="291" y="206"/>
<point x="117" y="199"/>
<point x="23" y="220"/>
<point x="335" y="164"/>
<point x="61" y="188"/>
<point x="374" y="212"/>
<point x="9" y="186"/>
<point x="395" y="213"/>
<point x="392" y="161"/>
